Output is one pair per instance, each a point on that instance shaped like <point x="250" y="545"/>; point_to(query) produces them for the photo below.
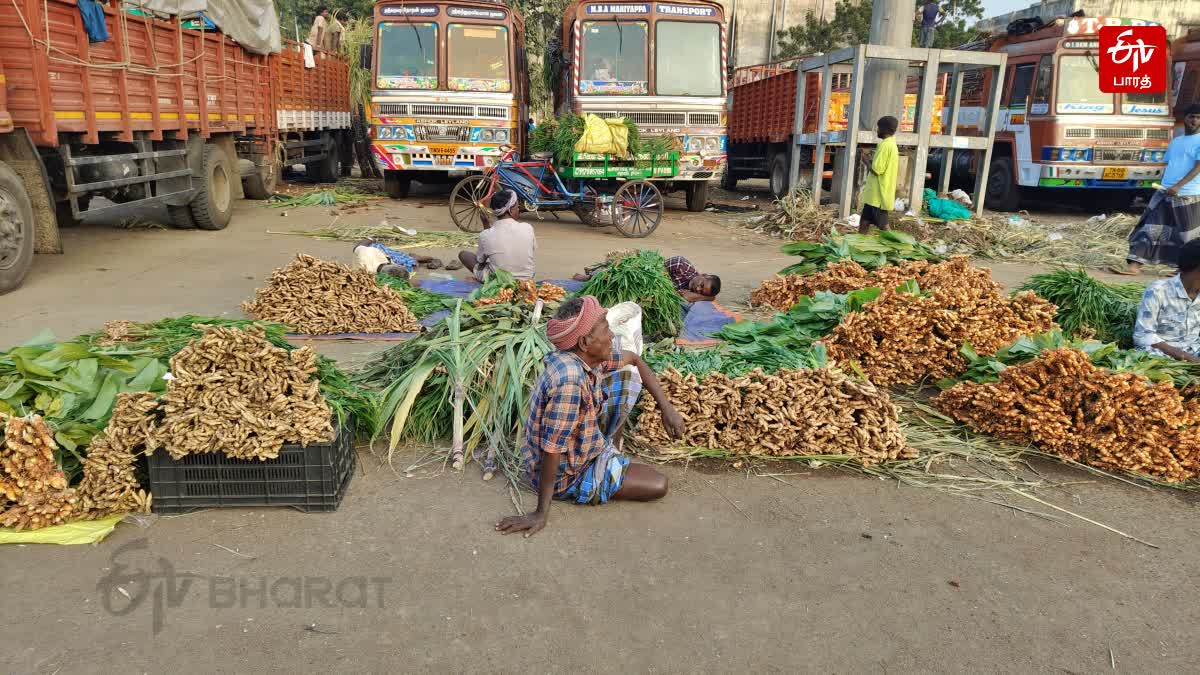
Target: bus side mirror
<point x="364" y="56"/>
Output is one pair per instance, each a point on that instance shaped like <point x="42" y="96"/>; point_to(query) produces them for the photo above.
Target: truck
<point x="156" y="114"/>
<point x="1185" y="83"/>
<point x="450" y="89"/>
<point x="762" y="120"/>
<point x="661" y="65"/>
<point x="1057" y="131"/>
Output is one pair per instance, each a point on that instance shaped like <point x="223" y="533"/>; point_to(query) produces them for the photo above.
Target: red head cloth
<point x="565" y="334"/>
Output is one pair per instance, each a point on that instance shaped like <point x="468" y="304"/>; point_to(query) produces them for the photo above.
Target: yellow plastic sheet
<point x="604" y="136"/>
<point x="81" y="532"/>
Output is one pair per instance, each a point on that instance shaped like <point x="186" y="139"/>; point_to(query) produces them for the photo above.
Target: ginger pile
<point x="840" y="277"/>
<point x="527" y="292"/>
<point x="321" y="298"/>
<point x="1066" y="405"/>
<point x="790" y="413"/>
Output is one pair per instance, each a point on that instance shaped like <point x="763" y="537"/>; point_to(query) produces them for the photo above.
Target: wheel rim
<point x="12" y="231"/>
<point x="219" y="188"/>
<point x="467" y="203"/>
<point x="639" y="207"/>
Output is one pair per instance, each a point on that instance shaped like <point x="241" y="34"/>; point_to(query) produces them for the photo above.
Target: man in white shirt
<point x="506" y="244"/>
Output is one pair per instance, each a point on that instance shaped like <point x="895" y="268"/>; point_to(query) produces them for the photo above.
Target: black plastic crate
<point x="308" y="478"/>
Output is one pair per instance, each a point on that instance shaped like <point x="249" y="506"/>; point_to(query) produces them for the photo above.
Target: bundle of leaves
<point x="869" y="250"/>
<point x="643" y="279"/>
<point x="1088" y="307"/>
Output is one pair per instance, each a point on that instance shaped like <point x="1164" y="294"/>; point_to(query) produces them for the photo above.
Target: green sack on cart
<point x="604" y="136"/>
<point x="946" y="209"/>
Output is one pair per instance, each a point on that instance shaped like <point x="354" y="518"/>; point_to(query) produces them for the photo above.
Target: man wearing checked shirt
<point x="1168" y="320"/>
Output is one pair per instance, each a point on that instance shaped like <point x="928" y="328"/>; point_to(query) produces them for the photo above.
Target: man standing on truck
<point x="317" y="33"/>
<point x="1172" y="218"/>
<point x="879" y="195"/>
<point x="929" y="21"/>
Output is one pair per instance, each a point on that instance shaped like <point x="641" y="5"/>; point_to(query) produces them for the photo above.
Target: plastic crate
<point x="307" y="478"/>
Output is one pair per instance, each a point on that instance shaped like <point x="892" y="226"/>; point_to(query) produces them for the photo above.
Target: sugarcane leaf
<point x="414" y="382"/>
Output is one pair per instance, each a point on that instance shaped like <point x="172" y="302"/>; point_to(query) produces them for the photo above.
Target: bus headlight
<point x="695" y="144"/>
<point x="384" y="133"/>
<point x="712" y="144"/>
<point x="488" y="135"/>
<point x="502" y="135"/>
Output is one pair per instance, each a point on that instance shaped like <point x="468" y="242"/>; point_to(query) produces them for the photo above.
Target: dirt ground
<point x="814" y="570"/>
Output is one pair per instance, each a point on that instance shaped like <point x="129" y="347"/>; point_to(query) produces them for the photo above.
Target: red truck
<point x="1185" y="85"/>
<point x="158" y="113"/>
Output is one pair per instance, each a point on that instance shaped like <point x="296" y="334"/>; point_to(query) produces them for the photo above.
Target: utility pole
<point x="884" y="81"/>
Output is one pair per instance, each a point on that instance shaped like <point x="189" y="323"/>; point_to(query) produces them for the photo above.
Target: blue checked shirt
<point x="564" y="411"/>
<point x="1168" y="315"/>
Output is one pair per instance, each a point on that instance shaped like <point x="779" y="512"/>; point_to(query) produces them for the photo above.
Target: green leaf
<point x="103" y="404"/>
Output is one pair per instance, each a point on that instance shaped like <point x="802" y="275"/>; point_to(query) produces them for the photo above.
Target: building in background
<point x="1177" y="17"/>
<point x="753" y="24"/>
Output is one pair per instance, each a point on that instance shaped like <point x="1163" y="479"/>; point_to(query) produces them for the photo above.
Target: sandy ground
<point x="814" y="570"/>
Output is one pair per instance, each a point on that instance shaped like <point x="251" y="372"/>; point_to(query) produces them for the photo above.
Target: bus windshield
<point x="477" y="58"/>
<point x="614" y="58"/>
<point x="1079" y="87"/>
<point x="407" y="56"/>
<point x="692" y="64"/>
<point x="1146" y="104"/>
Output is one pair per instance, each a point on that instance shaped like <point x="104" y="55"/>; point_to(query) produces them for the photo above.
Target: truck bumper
<point x="414" y="156"/>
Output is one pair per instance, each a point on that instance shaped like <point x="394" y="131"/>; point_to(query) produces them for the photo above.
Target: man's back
<point x="509" y="245"/>
<point x="929" y="14"/>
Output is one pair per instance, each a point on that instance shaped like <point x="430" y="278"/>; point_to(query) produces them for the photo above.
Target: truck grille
<point x="1118" y="133"/>
<point x="1117" y="154"/>
<point x="1158" y="134"/>
<point x="393" y="109"/>
<point x="443" y="110"/>
<point x="441" y="132"/>
<point x="704" y="119"/>
<point x="1079" y="132"/>
<point x="661" y="118"/>
<point x="493" y="112"/>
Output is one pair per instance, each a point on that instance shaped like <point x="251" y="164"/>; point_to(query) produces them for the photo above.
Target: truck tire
<point x="16" y="230"/>
<point x="396" y="184"/>
<point x="729" y="180"/>
<point x="212" y="207"/>
<point x="262" y="183"/>
<point x="1003" y="193"/>
<point x="697" y="195"/>
<point x="328" y="167"/>
<point x="777" y="176"/>
<point x="181" y="217"/>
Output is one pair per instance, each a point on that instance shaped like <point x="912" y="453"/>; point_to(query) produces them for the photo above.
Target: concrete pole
<point x="883" y="86"/>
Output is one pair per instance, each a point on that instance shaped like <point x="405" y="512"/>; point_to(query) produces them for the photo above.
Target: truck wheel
<point x="261" y="184"/>
<point x="327" y="168"/>
<point x="181" y="217"/>
<point x="778" y="176"/>
<point x="697" y="196"/>
<point x="212" y="207"/>
<point x="729" y="180"/>
<point x="1003" y="193"/>
<point x="16" y="230"/>
<point x="396" y="184"/>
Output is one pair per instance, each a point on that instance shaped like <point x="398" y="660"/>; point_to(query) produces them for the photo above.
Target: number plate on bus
<point x="1115" y="173"/>
<point x="436" y="149"/>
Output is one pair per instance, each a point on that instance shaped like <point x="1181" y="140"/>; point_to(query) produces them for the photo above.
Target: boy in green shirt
<point x="880" y="192"/>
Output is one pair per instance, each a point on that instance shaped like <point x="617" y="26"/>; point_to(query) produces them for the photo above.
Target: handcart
<point x="635" y="208"/>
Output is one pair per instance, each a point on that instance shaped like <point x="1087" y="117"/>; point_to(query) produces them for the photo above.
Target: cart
<point x="635" y="208"/>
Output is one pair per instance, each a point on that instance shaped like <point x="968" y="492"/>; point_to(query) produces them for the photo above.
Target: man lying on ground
<point x="507" y="244"/>
<point x="577" y="411"/>
<point x="1168" y="320"/>
<point x="376" y="258"/>
<point x="688" y="281"/>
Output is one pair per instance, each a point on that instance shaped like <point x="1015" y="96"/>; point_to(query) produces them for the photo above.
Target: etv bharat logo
<point x="1133" y="59"/>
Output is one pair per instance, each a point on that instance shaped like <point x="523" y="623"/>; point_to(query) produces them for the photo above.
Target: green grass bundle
<point x="420" y="302"/>
<point x="872" y="251"/>
<point x="1088" y="307"/>
<point x="643" y="279"/>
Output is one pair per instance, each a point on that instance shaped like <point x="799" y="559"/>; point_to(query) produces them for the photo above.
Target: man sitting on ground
<point x="1168" y="320"/>
<point x="576" y="412"/>
<point x="507" y="244"/>
<point x="690" y="283"/>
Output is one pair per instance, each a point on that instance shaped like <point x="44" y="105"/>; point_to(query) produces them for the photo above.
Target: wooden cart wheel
<point x="637" y="208"/>
<point x="468" y="202"/>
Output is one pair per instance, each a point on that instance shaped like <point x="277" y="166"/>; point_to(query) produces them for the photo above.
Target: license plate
<point x="1115" y="173"/>
<point x="443" y="160"/>
<point x="435" y="149"/>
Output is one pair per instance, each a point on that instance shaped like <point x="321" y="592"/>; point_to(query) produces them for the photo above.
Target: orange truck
<point x="763" y="116"/>
<point x="157" y="114"/>
<point x="1057" y="130"/>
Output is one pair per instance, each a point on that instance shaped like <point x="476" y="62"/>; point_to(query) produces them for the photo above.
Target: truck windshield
<point x="477" y="58"/>
<point x="407" y="56"/>
<point x="1145" y="104"/>
<point x="614" y="58"/>
<point x="688" y="61"/>
<point x="1079" y="87"/>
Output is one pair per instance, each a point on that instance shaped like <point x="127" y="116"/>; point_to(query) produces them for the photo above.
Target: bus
<point x="449" y="89"/>
<point x="662" y="65"/>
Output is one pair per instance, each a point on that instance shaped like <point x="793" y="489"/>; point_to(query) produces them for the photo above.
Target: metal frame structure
<point x="853" y="60"/>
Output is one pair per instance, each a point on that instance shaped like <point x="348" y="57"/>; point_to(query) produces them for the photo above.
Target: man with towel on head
<point x="576" y="412"/>
<point x="507" y="244"/>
